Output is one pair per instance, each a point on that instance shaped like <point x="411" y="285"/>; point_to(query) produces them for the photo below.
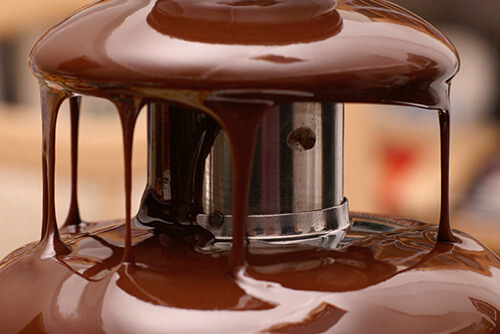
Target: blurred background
<point x="392" y="157"/>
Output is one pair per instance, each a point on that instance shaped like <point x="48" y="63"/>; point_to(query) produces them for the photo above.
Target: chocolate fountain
<point x="243" y="226"/>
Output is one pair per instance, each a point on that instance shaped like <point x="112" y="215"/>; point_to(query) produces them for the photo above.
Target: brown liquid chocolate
<point x="233" y="60"/>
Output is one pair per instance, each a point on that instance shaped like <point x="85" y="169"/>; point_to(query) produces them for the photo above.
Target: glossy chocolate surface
<point x="389" y="282"/>
<point x="350" y="50"/>
<point x="233" y="60"/>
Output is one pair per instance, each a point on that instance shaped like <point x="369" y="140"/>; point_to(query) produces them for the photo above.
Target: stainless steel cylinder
<point x="296" y="186"/>
<point x="179" y="141"/>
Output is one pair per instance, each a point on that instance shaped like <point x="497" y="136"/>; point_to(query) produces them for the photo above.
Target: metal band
<point x="327" y="227"/>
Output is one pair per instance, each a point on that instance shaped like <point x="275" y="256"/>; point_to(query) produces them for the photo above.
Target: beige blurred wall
<point x="21" y="16"/>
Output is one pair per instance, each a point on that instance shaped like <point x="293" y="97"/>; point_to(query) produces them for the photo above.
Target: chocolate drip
<point x="240" y="121"/>
<point x="51" y="101"/>
<point x="445" y="232"/>
<point x="128" y="109"/>
<point x="160" y="272"/>
<point x="73" y="218"/>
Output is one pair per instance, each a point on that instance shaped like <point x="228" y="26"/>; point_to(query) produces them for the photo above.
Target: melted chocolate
<point x="73" y="218"/>
<point x="234" y="60"/>
<point x="178" y="283"/>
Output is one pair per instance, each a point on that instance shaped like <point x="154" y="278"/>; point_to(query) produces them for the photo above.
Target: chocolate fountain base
<point x="387" y="276"/>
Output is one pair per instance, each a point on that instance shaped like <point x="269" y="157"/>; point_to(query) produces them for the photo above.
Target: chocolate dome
<point x="364" y="51"/>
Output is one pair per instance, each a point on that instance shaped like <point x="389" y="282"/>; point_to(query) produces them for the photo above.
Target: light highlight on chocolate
<point x="233" y="60"/>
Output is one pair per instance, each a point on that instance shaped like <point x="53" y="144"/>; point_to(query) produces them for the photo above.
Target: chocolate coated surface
<point x="233" y="60"/>
<point x="350" y="50"/>
<point x="390" y="282"/>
